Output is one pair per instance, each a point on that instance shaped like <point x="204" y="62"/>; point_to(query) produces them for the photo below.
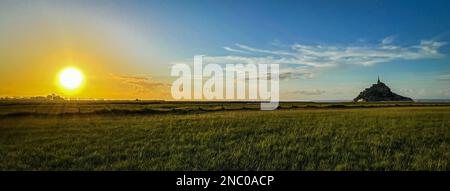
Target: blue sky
<point x="326" y="49"/>
<point x="212" y="28"/>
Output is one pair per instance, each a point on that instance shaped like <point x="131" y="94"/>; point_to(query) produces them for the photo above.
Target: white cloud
<point x="326" y="55"/>
<point x="256" y="50"/>
<point x="234" y="50"/>
<point x="311" y="59"/>
<point x="388" y="40"/>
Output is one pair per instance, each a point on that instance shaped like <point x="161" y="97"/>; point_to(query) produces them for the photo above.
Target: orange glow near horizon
<point x="35" y="51"/>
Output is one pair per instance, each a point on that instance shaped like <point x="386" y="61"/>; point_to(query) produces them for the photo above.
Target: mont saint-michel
<point x="379" y="92"/>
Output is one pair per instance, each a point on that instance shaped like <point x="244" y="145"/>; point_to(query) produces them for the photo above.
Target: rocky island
<point x="379" y="92"/>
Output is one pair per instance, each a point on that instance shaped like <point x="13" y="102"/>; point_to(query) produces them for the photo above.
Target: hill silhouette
<point x="379" y="92"/>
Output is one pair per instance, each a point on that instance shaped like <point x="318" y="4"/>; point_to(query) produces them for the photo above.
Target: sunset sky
<point x="327" y="50"/>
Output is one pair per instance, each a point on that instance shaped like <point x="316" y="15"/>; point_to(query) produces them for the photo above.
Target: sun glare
<point x="70" y="78"/>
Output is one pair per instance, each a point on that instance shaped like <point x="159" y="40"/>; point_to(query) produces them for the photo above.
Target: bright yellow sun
<point x="71" y="78"/>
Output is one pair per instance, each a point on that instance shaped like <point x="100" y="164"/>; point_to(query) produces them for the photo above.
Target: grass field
<point x="221" y="136"/>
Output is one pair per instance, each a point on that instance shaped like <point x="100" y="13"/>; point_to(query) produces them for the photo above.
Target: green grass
<point x="299" y="138"/>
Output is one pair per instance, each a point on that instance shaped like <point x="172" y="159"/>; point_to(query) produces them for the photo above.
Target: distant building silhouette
<point x="379" y="92"/>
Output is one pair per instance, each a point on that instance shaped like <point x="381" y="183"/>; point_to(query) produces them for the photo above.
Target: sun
<point x="71" y="78"/>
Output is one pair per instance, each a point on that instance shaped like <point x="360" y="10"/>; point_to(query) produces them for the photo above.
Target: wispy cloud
<point x="327" y="55"/>
<point x="388" y="39"/>
<point x="305" y="61"/>
<point x="306" y="92"/>
<point x="234" y="50"/>
<point x="256" y="50"/>
<point x="313" y="58"/>
<point x="444" y="77"/>
<point x="290" y="73"/>
<point x="139" y="84"/>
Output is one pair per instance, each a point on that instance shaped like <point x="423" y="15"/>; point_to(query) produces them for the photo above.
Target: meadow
<point x="138" y="135"/>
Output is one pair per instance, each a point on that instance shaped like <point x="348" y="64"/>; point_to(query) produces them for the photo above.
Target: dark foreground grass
<point x="396" y="138"/>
